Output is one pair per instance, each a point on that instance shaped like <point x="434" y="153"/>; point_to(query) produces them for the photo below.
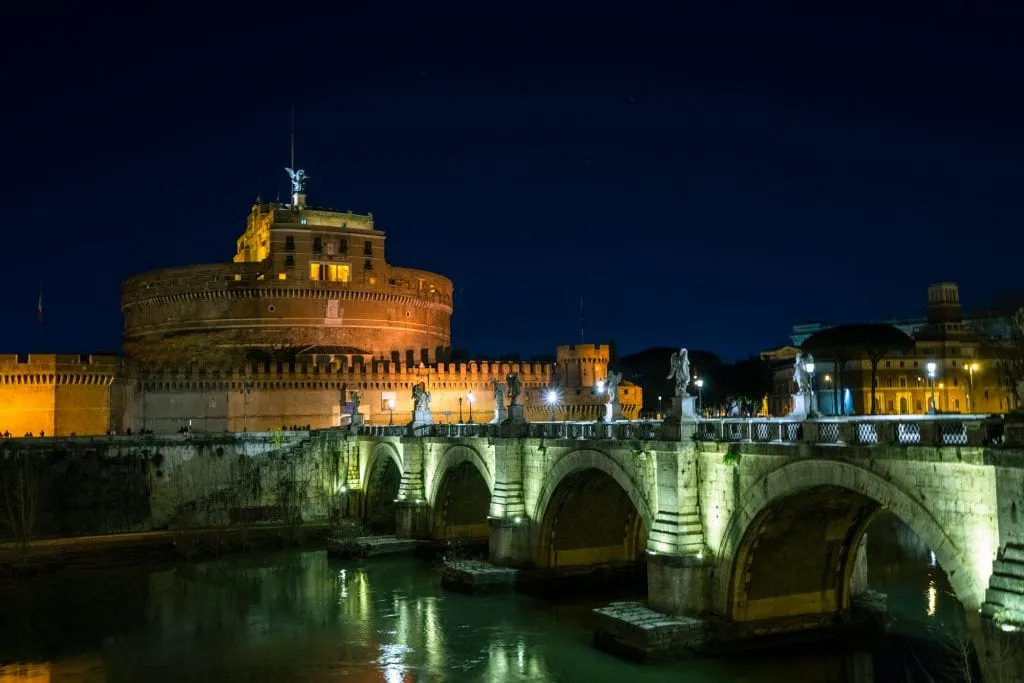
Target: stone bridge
<point x="755" y="522"/>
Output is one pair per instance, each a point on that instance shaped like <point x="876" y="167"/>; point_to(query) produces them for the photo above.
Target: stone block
<point x="634" y="631"/>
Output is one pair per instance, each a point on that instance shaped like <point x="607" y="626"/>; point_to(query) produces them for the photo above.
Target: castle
<point x="306" y="316"/>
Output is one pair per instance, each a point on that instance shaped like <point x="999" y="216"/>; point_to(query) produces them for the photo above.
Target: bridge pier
<point x="509" y="542"/>
<point x="678" y="584"/>
<point x="412" y="519"/>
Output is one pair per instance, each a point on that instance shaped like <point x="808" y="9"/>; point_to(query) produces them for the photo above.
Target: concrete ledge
<point x="632" y="630"/>
<point x="370" y="546"/>
<point x="472" y="576"/>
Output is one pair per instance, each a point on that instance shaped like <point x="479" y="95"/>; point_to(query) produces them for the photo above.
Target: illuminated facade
<point x="966" y="381"/>
<point x="308" y="316"/>
<point x="303" y="280"/>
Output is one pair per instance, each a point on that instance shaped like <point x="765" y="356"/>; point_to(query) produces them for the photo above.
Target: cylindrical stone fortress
<point x="303" y="281"/>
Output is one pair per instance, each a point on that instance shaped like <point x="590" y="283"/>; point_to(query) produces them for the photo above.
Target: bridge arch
<point x="381" y="481"/>
<point x="830" y="504"/>
<point x="615" y="519"/>
<point x="460" y="494"/>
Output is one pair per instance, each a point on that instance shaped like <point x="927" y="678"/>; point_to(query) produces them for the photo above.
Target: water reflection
<point x="302" y="617"/>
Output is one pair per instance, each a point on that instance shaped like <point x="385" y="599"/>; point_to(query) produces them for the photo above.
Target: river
<point x="303" y="617"/>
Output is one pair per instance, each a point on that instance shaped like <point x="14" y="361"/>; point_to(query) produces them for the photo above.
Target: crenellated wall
<point x="62" y="394"/>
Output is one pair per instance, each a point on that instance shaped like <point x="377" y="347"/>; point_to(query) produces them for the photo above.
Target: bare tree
<point x="19" y="498"/>
<point x="1002" y="340"/>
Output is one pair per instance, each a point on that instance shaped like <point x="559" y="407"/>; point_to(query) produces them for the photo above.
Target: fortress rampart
<point x="61" y="398"/>
<point x="61" y="394"/>
<point x="228" y="311"/>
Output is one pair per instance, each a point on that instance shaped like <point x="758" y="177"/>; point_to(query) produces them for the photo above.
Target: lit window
<point x="237" y="277"/>
<point x="329" y="272"/>
<point x="282" y="276"/>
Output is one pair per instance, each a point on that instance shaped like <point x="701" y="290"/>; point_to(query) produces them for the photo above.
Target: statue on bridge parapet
<point x="515" y="409"/>
<point x="614" y="408"/>
<point x="421" y="406"/>
<point x="679" y="370"/>
<point x="803" y="399"/>
<point x="514" y="388"/>
<point x="500" y="413"/>
<point x="356" y="416"/>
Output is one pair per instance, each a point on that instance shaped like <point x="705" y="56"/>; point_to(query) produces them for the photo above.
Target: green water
<point x="303" y="617"/>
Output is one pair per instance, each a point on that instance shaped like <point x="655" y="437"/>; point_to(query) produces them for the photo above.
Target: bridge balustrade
<point x="646" y="430"/>
<point x="942" y="430"/>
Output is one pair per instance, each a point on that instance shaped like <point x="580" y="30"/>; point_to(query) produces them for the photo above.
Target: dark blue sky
<point x="701" y="180"/>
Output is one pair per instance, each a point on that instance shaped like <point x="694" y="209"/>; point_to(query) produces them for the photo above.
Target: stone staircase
<point x="1004" y="599"/>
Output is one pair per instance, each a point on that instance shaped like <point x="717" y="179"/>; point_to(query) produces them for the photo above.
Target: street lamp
<point x="809" y="368"/>
<point x="470" y="397"/>
<point x="659" y="406"/>
<point x="700" y="395"/>
<point x="460" y="410"/>
<point x="931" y="366"/>
<point x="551" y="399"/>
<point x="391" y="412"/>
<point x="970" y="393"/>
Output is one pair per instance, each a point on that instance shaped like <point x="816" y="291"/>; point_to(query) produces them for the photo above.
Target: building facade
<point x="303" y="280"/>
<point x="306" y="322"/>
<point x="968" y="378"/>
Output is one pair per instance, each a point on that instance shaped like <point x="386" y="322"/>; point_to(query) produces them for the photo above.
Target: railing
<point x="896" y="430"/>
<point x="643" y="430"/>
<point x="942" y="430"/>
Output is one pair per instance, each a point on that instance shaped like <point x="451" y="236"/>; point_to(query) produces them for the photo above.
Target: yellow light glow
<point x="282" y="276"/>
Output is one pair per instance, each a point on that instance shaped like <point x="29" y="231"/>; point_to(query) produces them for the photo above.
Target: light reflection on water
<point x="302" y="617"/>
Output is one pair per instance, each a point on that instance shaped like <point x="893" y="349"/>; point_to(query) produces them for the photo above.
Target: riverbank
<point x="120" y="550"/>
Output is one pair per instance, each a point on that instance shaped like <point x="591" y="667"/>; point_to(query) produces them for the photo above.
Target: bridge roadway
<point x="755" y="521"/>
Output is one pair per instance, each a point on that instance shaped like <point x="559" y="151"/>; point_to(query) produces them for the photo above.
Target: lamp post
<point x="551" y="398"/>
<point x="659" y="406"/>
<point x="460" y="410"/>
<point x="812" y="409"/>
<point x="470" y="397"/>
<point x="931" y="367"/>
<point x="700" y="395"/>
<point x="599" y="391"/>
<point x="970" y="391"/>
<point x="391" y="412"/>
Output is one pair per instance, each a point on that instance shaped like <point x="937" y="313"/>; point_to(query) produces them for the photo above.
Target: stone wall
<point x="223" y="312"/>
<point x="101" y="485"/>
<point x="59" y="394"/>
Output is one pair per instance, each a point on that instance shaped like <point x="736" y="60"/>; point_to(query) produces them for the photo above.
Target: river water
<point x="302" y="617"/>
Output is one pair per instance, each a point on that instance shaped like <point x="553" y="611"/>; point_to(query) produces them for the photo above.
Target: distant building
<point x="308" y="316"/>
<point x="965" y="382"/>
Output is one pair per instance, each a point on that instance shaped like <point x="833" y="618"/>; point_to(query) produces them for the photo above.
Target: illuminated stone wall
<point x="702" y="515"/>
<point x="225" y="312"/>
<point x="61" y="394"/>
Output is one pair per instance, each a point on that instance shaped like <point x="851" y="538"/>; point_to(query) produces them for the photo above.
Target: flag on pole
<point x="39" y="307"/>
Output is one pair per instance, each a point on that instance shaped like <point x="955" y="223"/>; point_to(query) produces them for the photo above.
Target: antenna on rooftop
<point x="293" y="137"/>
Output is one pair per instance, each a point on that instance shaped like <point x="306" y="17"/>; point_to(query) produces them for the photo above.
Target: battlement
<point x="12" y="362"/>
<point x="591" y="352"/>
<point x="371" y="371"/>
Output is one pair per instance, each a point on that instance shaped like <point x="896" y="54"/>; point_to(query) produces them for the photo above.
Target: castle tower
<point x="304" y="281"/>
<point x="944" y="303"/>
<point x="583" y="365"/>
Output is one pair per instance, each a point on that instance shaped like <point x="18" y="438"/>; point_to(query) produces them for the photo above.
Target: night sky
<point x="701" y="180"/>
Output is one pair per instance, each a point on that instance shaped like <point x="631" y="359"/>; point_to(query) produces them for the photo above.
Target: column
<point x="509" y="541"/>
<point x="677" y="570"/>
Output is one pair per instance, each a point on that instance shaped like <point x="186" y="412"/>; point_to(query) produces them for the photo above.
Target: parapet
<point x="595" y="352"/>
<point x="372" y="371"/>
